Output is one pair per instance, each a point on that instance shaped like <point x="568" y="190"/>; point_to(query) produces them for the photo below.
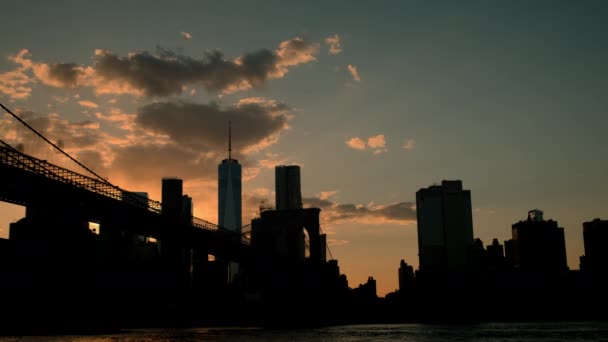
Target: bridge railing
<point x="42" y="167"/>
<point x="23" y="161"/>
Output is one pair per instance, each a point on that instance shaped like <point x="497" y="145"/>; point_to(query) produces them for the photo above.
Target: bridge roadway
<point x="35" y="183"/>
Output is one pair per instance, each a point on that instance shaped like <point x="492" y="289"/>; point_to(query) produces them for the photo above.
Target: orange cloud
<point x="356" y="143"/>
<point x="292" y="52"/>
<point x="377" y="143"/>
<point x="354" y="72"/>
<point x="323" y="195"/>
<point x="16" y="83"/>
<point x="88" y="104"/>
<point x="334" y="44"/>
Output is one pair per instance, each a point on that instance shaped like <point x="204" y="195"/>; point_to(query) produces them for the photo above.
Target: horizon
<point x="373" y="102"/>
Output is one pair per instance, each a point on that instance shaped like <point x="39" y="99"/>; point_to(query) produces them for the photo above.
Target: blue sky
<point x="510" y="97"/>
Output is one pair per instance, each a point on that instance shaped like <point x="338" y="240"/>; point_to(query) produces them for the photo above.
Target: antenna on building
<point x="229" y="139"/>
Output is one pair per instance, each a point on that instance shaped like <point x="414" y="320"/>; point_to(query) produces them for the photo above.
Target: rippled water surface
<point x="571" y="332"/>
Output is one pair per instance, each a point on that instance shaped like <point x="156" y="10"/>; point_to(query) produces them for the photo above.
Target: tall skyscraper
<point x="287" y="187"/>
<point x="229" y="190"/>
<point x="445" y="226"/>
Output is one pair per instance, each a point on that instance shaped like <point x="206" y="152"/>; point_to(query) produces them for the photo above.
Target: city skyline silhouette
<point x="159" y="253"/>
<point x="373" y="102"/>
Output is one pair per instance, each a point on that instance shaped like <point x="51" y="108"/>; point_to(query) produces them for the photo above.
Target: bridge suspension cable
<point x="52" y="144"/>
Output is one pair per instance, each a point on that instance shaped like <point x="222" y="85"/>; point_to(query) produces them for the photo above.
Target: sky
<point x="374" y="100"/>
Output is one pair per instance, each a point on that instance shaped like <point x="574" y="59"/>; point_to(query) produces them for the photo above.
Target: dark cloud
<point x="65" y="73"/>
<point x="166" y="72"/>
<point x="402" y="212"/>
<point x="315" y="202"/>
<point x="155" y="75"/>
<point x="205" y="126"/>
<point x="405" y="211"/>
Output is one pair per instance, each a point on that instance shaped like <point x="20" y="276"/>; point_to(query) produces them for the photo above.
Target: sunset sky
<point x="374" y="100"/>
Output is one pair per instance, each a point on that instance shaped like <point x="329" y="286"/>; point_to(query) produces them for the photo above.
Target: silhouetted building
<point x="366" y="292"/>
<point x="229" y="191"/>
<point x="172" y="193"/>
<point x="445" y="226"/>
<point x="495" y="256"/>
<point x="176" y="258"/>
<point x="187" y="209"/>
<point x="595" y="237"/>
<point x="538" y="245"/>
<point x="287" y="187"/>
<point x="406" y="276"/>
<point x="323" y="248"/>
<point x="476" y="258"/>
<point x="509" y="254"/>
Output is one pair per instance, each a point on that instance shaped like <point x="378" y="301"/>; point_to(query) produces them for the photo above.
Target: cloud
<point x="16" y="83"/>
<point x="256" y="123"/>
<point x="186" y="35"/>
<point x="334" y="44"/>
<point x="120" y="120"/>
<point x="271" y="160"/>
<point x="64" y="75"/>
<point x="353" y="72"/>
<point x="334" y="212"/>
<point x="88" y="104"/>
<point x="166" y="73"/>
<point x="323" y="195"/>
<point x="356" y="143"/>
<point x="409" y="144"/>
<point x="377" y="143"/>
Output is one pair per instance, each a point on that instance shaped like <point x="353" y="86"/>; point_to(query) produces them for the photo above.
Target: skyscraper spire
<point x="229" y="139"/>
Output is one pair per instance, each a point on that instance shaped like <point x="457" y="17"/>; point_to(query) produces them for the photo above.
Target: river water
<point x="571" y="332"/>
